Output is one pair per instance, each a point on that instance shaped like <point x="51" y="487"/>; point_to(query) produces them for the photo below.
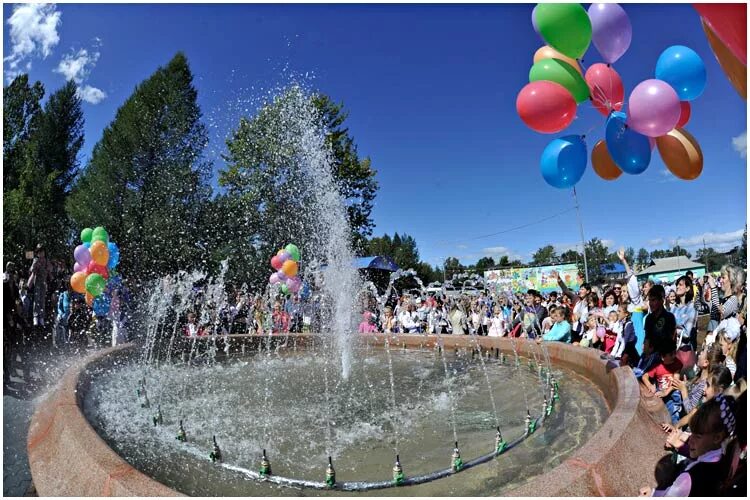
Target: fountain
<point x="261" y="414"/>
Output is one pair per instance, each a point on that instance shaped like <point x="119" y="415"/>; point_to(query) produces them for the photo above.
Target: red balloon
<point x="93" y="267"/>
<point x="276" y="262"/>
<point x="546" y="107"/>
<point x="729" y="23"/>
<point x="684" y="114"/>
<point x="605" y="86"/>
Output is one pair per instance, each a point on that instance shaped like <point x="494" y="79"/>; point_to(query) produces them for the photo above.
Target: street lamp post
<point x="583" y="240"/>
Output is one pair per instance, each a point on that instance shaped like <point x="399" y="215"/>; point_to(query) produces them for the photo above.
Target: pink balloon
<point x="294" y="285"/>
<point x="273" y="279"/>
<point x="653" y="108"/>
<point x="78" y="268"/>
<point x="605" y="86"/>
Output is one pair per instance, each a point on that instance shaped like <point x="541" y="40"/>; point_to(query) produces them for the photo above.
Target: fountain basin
<point x="68" y="457"/>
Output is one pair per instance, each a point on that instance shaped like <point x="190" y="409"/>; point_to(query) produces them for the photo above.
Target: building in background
<point x="669" y="269"/>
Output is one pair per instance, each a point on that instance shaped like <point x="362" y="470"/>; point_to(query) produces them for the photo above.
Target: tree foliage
<point x="268" y="199"/>
<point x="40" y="161"/>
<point x="544" y="255"/>
<point x="146" y="181"/>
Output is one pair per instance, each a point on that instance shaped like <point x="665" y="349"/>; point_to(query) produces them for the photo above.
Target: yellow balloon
<point x="548" y="52"/>
<point x="681" y="154"/>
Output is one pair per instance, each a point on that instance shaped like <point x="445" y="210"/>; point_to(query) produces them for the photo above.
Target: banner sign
<point x="521" y="279"/>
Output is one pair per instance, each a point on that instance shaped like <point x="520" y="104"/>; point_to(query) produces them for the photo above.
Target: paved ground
<point x="34" y="370"/>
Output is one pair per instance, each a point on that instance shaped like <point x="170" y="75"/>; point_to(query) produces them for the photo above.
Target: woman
<point x="732" y="280"/>
<point x="683" y="309"/>
<point x="671" y="299"/>
<point x="458" y="320"/>
<point x="610" y="302"/>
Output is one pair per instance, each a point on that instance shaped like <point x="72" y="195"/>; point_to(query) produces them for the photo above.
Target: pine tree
<point x="147" y="182"/>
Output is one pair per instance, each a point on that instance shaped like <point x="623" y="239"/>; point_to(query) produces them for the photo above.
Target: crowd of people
<point x="39" y="308"/>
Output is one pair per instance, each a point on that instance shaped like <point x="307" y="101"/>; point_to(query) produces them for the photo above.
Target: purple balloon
<point x="78" y="268"/>
<point x="533" y="23"/>
<point x="283" y="278"/>
<point x="653" y="108"/>
<point x="294" y="285"/>
<point x="82" y="255"/>
<point x="273" y="279"/>
<point x="284" y="256"/>
<point x="611" y="31"/>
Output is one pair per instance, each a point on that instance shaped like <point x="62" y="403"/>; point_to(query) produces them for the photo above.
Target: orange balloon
<point x="99" y="252"/>
<point x="89" y="299"/>
<point x="78" y="282"/>
<point x="548" y="52"/>
<point x="290" y="268"/>
<point x="734" y="69"/>
<point x="681" y="154"/>
<point x="602" y="162"/>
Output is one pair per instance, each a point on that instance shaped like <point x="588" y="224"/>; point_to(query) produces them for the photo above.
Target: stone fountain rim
<point x="61" y="441"/>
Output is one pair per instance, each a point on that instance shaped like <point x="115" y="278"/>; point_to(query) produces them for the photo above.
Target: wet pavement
<point x="35" y="368"/>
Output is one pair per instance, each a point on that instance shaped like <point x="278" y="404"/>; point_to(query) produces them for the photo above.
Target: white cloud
<point x="77" y="66"/>
<point x="33" y="32"/>
<point x="655" y="242"/>
<point x="739" y="144"/>
<point x="91" y="94"/>
<point x="712" y="239"/>
<point x="462" y="247"/>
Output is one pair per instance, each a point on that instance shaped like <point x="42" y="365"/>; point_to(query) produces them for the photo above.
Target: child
<point x="663" y="373"/>
<point x="560" y="330"/>
<point x="614" y="333"/>
<point x="389" y="321"/>
<point x="711" y="425"/>
<point x="191" y="328"/>
<point x="625" y="345"/>
<point x="61" y="320"/>
<point x="367" y="325"/>
<point x="649" y="359"/>
<point x="589" y="338"/>
<point x="497" y="324"/>
<point x="728" y="342"/>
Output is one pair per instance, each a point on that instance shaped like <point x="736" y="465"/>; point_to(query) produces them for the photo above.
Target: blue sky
<point x="430" y="91"/>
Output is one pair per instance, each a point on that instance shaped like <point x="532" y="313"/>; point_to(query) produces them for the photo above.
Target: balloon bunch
<point x="96" y="258"/>
<point x="286" y="263"/>
<point x="657" y="108"/>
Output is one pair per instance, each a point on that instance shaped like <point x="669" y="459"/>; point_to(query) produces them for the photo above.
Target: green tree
<point x="679" y="251"/>
<point x="504" y="261"/>
<point x="452" y="266"/>
<point x="571" y="256"/>
<point x="544" y="255"/>
<point x="21" y="111"/>
<point x="268" y="191"/>
<point x="35" y="207"/>
<point x="642" y="258"/>
<point x="147" y="181"/>
<point x="596" y="255"/>
<point x="712" y="259"/>
<point x="401" y="248"/>
<point x="743" y="250"/>
<point x="484" y="263"/>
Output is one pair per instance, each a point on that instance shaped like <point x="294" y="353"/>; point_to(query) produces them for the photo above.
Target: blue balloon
<point x="564" y="161"/>
<point x="114" y="255"/>
<point x="683" y="69"/>
<point x="87" y="244"/>
<point x="629" y="150"/>
<point x="101" y="304"/>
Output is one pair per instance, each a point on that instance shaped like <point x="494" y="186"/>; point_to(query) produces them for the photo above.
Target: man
<point x="660" y="324"/>
<point x="38" y="275"/>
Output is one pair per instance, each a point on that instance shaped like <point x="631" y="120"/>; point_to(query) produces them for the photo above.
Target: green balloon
<point x="284" y="289"/>
<point x="100" y="234"/>
<point x="565" y="27"/>
<point x="293" y="251"/>
<point x="86" y="235"/>
<point x="95" y="284"/>
<point x="555" y="70"/>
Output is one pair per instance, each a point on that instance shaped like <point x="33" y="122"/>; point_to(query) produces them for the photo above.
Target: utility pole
<point x="705" y="254"/>
<point x="677" y="243"/>
<point x="583" y="240"/>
